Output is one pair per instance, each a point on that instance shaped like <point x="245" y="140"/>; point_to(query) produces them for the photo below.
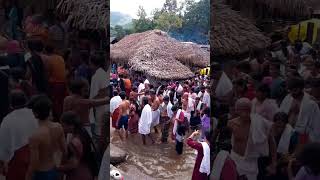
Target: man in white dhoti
<point x="99" y="85"/>
<point x="251" y="139"/>
<point x="303" y="112"/>
<point x="16" y="129"/>
<point x="115" y="101"/>
<point x="206" y="97"/>
<point x="145" y="120"/>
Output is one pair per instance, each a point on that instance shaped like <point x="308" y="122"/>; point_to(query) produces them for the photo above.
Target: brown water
<point x="158" y="161"/>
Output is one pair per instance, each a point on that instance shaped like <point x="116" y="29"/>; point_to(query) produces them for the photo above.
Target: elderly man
<point x="251" y="136"/>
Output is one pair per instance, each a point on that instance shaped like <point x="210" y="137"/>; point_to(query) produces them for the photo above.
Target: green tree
<point x="197" y="14"/>
<point x="170" y="6"/>
<point x="143" y="23"/>
<point x="167" y="21"/>
<point x="120" y="32"/>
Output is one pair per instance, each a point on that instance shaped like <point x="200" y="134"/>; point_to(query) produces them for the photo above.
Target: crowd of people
<point x="53" y="104"/>
<point x="174" y="109"/>
<point x="267" y="109"/>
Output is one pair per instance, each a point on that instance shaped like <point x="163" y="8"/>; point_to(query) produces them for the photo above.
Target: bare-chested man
<point x="251" y="139"/>
<point x="303" y="111"/>
<point x="48" y="140"/>
<point x="155" y="103"/>
<point x="124" y="108"/>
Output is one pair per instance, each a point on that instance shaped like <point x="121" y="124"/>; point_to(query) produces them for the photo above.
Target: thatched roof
<point x="159" y="65"/>
<point x="231" y="34"/>
<point x="85" y="14"/>
<point x="159" y="55"/>
<point x="186" y="53"/>
<point x="276" y="8"/>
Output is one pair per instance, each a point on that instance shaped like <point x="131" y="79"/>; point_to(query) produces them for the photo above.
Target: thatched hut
<point x="283" y="9"/>
<point x="158" y="55"/>
<point x="187" y="53"/>
<point x="85" y="14"/>
<point x="232" y="35"/>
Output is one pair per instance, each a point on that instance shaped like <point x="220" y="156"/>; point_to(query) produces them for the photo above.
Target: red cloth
<point x="250" y="94"/>
<point x="57" y="93"/>
<point x="18" y="166"/>
<point x="229" y="170"/>
<point x="133" y="124"/>
<point x="197" y="175"/>
<point x="115" y="117"/>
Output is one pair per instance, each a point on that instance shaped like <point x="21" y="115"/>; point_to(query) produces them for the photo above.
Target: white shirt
<point x="16" y="129"/>
<point x="98" y="82"/>
<point x="206" y="99"/>
<point x="140" y="87"/>
<point x="114" y="103"/>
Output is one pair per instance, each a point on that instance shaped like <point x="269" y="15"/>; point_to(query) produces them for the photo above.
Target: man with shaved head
<point x="251" y="139"/>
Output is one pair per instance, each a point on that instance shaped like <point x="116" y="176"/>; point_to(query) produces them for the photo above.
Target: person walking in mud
<point x="165" y="117"/>
<point x="145" y="120"/>
<point x="124" y="108"/>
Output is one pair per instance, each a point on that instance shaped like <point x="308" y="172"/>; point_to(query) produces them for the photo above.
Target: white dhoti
<point x="246" y="166"/>
<point x="155" y="118"/>
<point x="145" y="120"/>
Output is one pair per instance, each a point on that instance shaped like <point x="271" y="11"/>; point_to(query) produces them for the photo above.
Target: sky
<point x="131" y="7"/>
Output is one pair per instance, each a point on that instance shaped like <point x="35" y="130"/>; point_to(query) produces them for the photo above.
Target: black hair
<point x="42" y="108"/>
<point x="35" y="45"/>
<point x="145" y="100"/>
<point x="123" y="95"/>
<point x="242" y="83"/>
<point x="265" y="89"/>
<point x="207" y="111"/>
<point x="174" y="108"/>
<point x="76" y="85"/>
<point x="71" y="118"/>
<point x="49" y="48"/>
<point x="310" y="158"/>
<point x="166" y="98"/>
<point x="35" y="99"/>
<point x="98" y="60"/>
<point x="295" y="83"/>
<point x="17" y="99"/>
<point x="17" y="73"/>
<point x="115" y="93"/>
<point x="281" y="116"/>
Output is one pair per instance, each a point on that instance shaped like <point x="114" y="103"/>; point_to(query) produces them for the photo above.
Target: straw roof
<point x="232" y="34"/>
<point x="85" y="14"/>
<point x="159" y="55"/>
<point x="279" y="8"/>
<point x="186" y="53"/>
<point x="155" y="64"/>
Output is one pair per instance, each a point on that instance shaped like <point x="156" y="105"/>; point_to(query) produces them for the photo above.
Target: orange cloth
<point x="127" y="83"/>
<point x="55" y="68"/>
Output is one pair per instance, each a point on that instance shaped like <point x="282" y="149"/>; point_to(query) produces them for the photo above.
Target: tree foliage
<point x="189" y="21"/>
<point x="167" y="21"/>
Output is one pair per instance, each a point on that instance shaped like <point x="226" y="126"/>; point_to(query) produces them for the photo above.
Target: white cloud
<point x="131" y="7"/>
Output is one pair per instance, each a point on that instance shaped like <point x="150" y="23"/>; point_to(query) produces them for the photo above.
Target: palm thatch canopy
<point x="275" y="8"/>
<point x="157" y="54"/>
<point x="85" y="14"/>
<point x="232" y="34"/>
